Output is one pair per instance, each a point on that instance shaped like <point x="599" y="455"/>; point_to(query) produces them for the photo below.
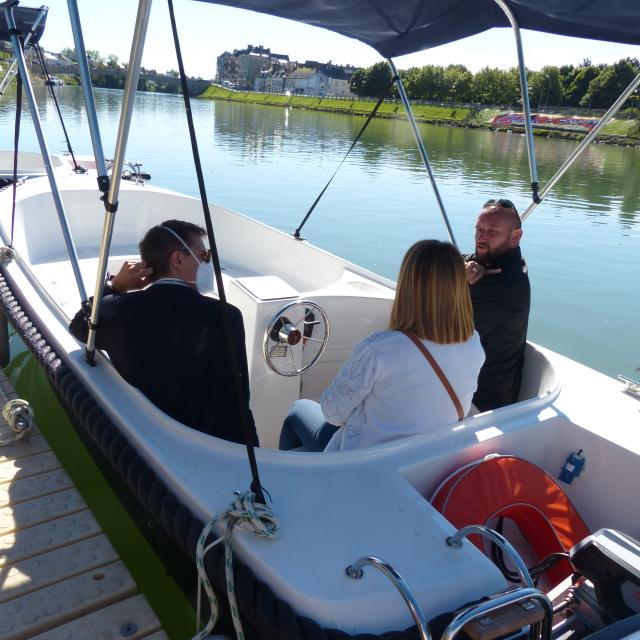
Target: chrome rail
<point x="456" y="539"/>
<point x="355" y="572"/>
<point x="498" y="601"/>
<point x="421" y="149"/>
<point x="632" y="386"/>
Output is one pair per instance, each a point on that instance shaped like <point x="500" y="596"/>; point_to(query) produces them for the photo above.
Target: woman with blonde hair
<point x="416" y="376"/>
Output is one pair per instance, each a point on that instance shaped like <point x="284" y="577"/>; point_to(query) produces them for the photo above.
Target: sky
<point x="208" y="30"/>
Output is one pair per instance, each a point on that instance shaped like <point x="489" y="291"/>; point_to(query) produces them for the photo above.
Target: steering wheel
<point x="296" y="338"/>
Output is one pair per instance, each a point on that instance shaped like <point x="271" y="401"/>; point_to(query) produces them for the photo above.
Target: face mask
<point x="204" y="277"/>
<point x="205" y="272"/>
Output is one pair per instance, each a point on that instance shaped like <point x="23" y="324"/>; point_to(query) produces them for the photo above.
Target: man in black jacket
<point x="501" y="296"/>
<point x="167" y="339"/>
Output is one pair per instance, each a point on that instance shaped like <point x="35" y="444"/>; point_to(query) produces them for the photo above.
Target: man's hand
<point x="477" y="271"/>
<point x="132" y="275"/>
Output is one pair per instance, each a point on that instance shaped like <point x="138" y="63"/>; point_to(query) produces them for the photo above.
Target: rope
<point x="45" y="71"/>
<point x="242" y="512"/>
<point x="296" y="233"/>
<point x="19" y="416"/>
<point x="243" y="405"/>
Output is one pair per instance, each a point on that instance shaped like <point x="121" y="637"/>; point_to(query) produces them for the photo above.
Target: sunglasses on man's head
<point x="502" y="203"/>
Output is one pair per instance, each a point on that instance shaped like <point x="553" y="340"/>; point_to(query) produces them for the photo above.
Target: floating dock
<point x="60" y="578"/>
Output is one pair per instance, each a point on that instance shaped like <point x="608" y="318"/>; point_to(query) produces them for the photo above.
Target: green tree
<point x="427" y="83"/>
<point x="94" y="58"/>
<point x="459" y="83"/>
<point x="372" y="81"/>
<point x="112" y="61"/>
<point x="567" y="72"/>
<point x="605" y="88"/>
<point x="545" y="87"/>
<point x="495" y="86"/>
<point x="68" y="53"/>
<point x="578" y="84"/>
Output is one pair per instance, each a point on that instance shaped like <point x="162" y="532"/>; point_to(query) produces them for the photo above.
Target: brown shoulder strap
<point x="439" y="372"/>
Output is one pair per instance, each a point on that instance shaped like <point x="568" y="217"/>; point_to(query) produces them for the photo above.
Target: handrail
<point x="497" y="602"/>
<point x="455" y="541"/>
<point x="355" y="572"/>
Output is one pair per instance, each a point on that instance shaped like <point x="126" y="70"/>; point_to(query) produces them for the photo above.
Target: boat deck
<point x="59" y="575"/>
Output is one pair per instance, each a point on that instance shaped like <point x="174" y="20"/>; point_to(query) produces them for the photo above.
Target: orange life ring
<point x="510" y="487"/>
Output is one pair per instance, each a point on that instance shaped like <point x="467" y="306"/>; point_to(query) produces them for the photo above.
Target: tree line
<point x="586" y="85"/>
<point x="152" y="80"/>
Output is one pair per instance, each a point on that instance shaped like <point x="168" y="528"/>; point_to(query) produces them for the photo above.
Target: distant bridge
<point x="196" y="87"/>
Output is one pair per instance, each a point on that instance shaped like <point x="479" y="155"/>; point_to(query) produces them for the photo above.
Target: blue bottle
<point x="572" y="467"/>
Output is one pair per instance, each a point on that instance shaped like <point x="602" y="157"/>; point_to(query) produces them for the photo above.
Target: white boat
<point x="340" y="511"/>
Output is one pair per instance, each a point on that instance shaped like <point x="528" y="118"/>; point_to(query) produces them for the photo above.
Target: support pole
<point x="55" y="192"/>
<point x="87" y="90"/>
<point x="111" y="199"/>
<point x="524" y="89"/>
<point x="421" y="148"/>
<point x="579" y="150"/>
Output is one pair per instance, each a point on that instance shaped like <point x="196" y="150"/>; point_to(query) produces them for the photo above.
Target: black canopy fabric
<point x="24" y="17"/>
<point x="397" y="27"/>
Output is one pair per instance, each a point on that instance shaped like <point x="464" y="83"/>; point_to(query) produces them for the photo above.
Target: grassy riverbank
<point x="422" y="112"/>
<point x="618" y="131"/>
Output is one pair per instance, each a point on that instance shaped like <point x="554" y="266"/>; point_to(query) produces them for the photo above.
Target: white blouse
<point x="387" y="389"/>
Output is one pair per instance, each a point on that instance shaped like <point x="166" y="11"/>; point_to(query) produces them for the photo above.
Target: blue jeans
<point x="306" y="427"/>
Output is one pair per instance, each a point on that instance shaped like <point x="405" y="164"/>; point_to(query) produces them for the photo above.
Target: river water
<point x="582" y="244"/>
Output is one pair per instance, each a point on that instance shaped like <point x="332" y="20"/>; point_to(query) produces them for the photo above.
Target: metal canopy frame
<point x="13" y="67"/>
<point x="580" y="149"/>
<point x="110" y="188"/>
<point x="46" y="157"/>
<point x="524" y="90"/>
<point x="422" y="149"/>
<point x="537" y="195"/>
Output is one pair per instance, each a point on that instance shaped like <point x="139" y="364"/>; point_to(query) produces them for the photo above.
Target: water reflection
<point x="496" y="162"/>
<point x="271" y="162"/>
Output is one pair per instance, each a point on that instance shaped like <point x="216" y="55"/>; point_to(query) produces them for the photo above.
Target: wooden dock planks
<point x="60" y="578"/>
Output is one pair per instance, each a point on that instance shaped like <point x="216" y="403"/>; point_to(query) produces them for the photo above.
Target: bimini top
<point x="25" y="18"/>
<point x="396" y="27"/>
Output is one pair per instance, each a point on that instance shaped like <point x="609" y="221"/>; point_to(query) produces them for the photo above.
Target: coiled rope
<point x="19" y="416"/>
<point x="242" y="512"/>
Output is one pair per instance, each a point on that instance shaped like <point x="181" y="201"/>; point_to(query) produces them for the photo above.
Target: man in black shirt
<point x="501" y="296"/>
<point x="167" y="339"/>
